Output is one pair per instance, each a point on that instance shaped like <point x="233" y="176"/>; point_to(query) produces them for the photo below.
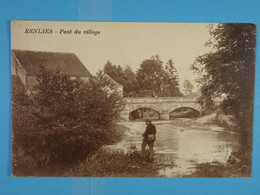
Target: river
<point x="181" y="144"/>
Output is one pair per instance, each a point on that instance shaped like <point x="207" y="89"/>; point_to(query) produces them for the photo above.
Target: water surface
<point x="181" y="144"/>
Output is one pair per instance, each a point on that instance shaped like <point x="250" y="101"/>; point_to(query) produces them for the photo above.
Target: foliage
<point x="60" y="99"/>
<point x="125" y="77"/>
<point x="170" y="85"/>
<point x="150" y="75"/>
<point x="161" y="80"/>
<point x="113" y="163"/>
<point x="115" y="72"/>
<point x="153" y="78"/>
<point x="130" y="84"/>
<point x="22" y="124"/>
<point x="61" y="120"/>
<point x="227" y="74"/>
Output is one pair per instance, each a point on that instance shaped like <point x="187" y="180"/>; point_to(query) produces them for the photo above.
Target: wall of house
<point x="13" y="65"/>
<point x="17" y="69"/>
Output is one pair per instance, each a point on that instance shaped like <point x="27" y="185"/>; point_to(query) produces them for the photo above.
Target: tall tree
<point x="153" y="78"/>
<point x="170" y="85"/>
<point x="150" y="75"/>
<point x="130" y="82"/>
<point x="109" y="69"/>
<point x="115" y="72"/>
<point x="228" y="74"/>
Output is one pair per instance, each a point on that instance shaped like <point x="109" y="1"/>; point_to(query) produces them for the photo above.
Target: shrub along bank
<point x="61" y="122"/>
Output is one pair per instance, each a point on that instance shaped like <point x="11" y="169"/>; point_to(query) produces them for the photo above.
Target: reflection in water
<point x="179" y="148"/>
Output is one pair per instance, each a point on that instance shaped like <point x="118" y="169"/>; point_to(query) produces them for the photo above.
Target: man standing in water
<point x="149" y="138"/>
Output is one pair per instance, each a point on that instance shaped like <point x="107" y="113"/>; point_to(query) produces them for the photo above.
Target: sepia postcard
<point x="129" y="99"/>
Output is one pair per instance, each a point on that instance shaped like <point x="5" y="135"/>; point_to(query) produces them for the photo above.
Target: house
<point x="116" y="85"/>
<point x="25" y="65"/>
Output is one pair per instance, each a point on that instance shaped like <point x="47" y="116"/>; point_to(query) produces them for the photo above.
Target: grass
<point x="111" y="163"/>
<point x="107" y="163"/>
<point x="219" y="170"/>
<point x="114" y="163"/>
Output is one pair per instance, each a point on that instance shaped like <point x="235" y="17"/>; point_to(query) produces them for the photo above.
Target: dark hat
<point x="147" y="120"/>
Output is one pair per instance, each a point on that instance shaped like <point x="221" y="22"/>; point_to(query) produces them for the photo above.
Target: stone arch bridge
<point x="163" y="105"/>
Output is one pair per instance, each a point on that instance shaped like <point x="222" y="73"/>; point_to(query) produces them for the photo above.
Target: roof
<point x="68" y="63"/>
<point x="112" y="80"/>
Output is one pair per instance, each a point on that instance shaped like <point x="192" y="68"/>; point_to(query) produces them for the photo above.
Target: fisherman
<point x="149" y="138"/>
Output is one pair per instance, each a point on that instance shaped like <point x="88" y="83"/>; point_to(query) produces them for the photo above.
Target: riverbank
<point x="111" y="163"/>
<point x="184" y="148"/>
<point x="218" y="170"/>
<point x="107" y="163"/>
<point x="58" y="167"/>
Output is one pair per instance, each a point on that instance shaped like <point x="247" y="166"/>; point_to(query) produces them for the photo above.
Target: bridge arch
<point x="184" y="112"/>
<point x="140" y="106"/>
<point x="144" y="113"/>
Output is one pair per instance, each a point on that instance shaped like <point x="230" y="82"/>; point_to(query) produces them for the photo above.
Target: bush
<point x="62" y="120"/>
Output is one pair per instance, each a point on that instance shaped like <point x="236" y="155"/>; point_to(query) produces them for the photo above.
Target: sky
<point x="122" y="43"/>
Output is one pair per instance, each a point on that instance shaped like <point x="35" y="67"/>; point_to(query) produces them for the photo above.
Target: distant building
<point x="25" y="65"/>
<point x="118" y="86"/>
<point x="187" y="87"/>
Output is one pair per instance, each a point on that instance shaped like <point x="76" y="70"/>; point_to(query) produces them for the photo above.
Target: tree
<point x="59" y="98"/>
<point x="109" y="69"/>
<point x="62" y="120"/>
<point x="153" y="78"/>
<point x="125" y="77"/>
<point x="115" y="72"/>
<point x="228" y="74"/>
<point x="130" y="83"/>
<point x="159" y="79"/>
<point x="150" y="75"/>
<point x="170" y="86"/>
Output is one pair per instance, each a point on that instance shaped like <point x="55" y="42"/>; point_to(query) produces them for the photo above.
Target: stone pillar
<point x="164" y="116"/>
